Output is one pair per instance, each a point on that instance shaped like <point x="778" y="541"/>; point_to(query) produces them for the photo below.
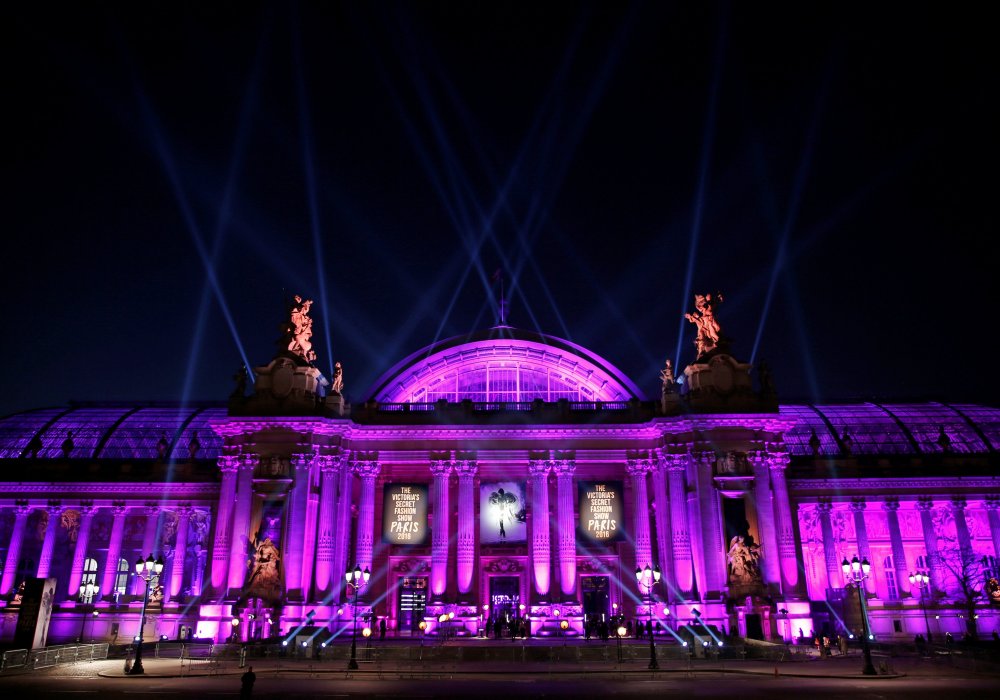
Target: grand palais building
<point x="506" y="474"/>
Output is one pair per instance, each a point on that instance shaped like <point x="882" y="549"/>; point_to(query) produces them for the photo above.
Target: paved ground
<point x="276" y="678"/>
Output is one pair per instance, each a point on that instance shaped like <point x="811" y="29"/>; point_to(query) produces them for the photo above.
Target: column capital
<point x="466" y="467"/>
<point x="21" y="509"/>
<point x="858" y="504"/>
<point x="228" y="463"/>
<point x="249" y="462"/>
<point x="758" y="458"/>
<point x="958" y="503"/>
<point x="367" y="469"/>
<point x="440" y="467"/>
<point x="86" y="509"/>
<point x="151" y="509"/>
<point x="890" y="505"/>
<point x="564" y="467"/>
<point x="676" y="462"/>
<point x="183" y="510"/>
<point x="539" y="467"/>
<point x="302" y="460"/>
<point x="992" y="502"/>
<point x="925" y="503"/>
<point x="704" y="457"/>
<point x="824" y="506"/>
<point x="778" y="461"/>
<point x="637" y="467"/>
<point x="54" y="508"/>
<point x="328" y="464"/>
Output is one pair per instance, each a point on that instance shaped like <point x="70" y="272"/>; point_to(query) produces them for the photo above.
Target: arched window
<point x="121" y="578"/>
<point x="89" y="576"/>
<point x="890" y="578"/>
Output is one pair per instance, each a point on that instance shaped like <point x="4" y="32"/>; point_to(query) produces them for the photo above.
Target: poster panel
<point x="33" y="619"/>
<point x="601" y="511"/>
<point x="503" y="513"/>
<point x="404" y="514"/>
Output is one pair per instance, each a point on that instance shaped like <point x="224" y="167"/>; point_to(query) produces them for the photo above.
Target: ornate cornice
<point x="967" y="484"/>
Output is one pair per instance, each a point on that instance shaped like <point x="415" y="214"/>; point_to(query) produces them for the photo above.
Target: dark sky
<point x="385" y="159"/>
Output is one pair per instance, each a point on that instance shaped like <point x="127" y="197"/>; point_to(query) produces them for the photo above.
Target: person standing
<point x="246" y="683"/>
<point x="381" y="629"/>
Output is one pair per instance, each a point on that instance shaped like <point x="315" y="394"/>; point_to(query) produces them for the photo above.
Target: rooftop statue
<point x="704" y="318"/>
<point x="299" y="330"/>
<point x="337" y="385"/>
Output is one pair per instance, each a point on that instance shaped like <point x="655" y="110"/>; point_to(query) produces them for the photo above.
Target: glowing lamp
<point x="521" y="607"/>
<point x="564" y="625"/>
<point x="422" y="625"/>
<point x="284" y="642"/>
<point x="442" y="618"/>
<point x="366" y="632"/>
<point x="556" y="612"/>
<point x="235" y="622"/>
<point x="621" y="630"/>
<point x="486" y="606"/>
<point x="451" y="616"/>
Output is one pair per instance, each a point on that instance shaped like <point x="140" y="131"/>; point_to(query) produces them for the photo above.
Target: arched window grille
<point x="89" y="576"/>
<point x="121" y="579"/>
<point x="890" y="579"/>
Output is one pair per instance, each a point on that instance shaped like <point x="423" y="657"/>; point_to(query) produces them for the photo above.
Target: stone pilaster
<point x="173" y="590"/>
<point x="342" y="534"/>
<point x="7" y="583"/>
<point x="118" y="511"/>
<point x="54" y="511"/>
<point x="958" y="505"/>
<point x="329" y="470"/>
<point x="566" y="526"/>
<point x="228" y="465"/>
<point x="152" y="513"/>
<point x="713" y="548"/>
<point x="926" y="507"/>
<point x="541" y="554"/>
<point x="764" y="505"/>
<point x="368" y="471"/>
<point x="784" y="525"/>
<point x="441" y="470"/>
<point x="891" y="508"/>
<point x="637" y="470"/>
<point x="861" y="529"/>
<point x="466" y="539"/>
<point x="683" y="565"/>
<point x="993" y="516"/>
<point x="295" y="525"/>
<point x="834" y="574"/>
<point x="239" y="553"/>
<point x="80" y="551"/>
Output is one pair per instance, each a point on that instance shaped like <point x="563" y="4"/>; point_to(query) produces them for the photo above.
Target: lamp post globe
<point x="647" y="578"/>
<point x="921" y="580"/>
<point x="356" y="578"/>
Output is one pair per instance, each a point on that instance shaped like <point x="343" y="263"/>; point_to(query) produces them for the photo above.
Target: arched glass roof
<point x="504" y="365"/>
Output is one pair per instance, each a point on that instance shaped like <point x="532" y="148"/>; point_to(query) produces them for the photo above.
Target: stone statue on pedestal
<point x="709" y="330"/>
<point x="298" y="331"/>
<point x="337" y="385"/>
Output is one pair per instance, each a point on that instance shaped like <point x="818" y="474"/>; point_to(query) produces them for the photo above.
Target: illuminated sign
<point x="601" y="511"/>
<point x="404" y="514"/>
<point x="503" y="513"/>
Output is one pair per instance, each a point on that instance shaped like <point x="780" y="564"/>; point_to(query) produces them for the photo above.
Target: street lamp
<point x="921" y="580"/>
<point x="88" y="591"/>
<point x="856" y="572"/>
<point x="146" y="570"/>
<point x="356" y="579"/>
<point x="647" y="578"/>
<point x="621" y="633"/>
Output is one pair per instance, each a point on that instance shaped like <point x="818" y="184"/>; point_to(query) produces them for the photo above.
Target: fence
<point x="51" y="656"/>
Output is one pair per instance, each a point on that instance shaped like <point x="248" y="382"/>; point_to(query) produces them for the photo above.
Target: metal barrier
<point x="52" y="656"/>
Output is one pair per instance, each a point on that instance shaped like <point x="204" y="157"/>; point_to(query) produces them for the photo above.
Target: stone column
<point x="114" y="550"/>
<point x="152" y="513"/>
<point x="48" y="544"/>
<point x="891" y="508"/>
<point x="683" y="564"/>
<point x="992" y="506"/>
<point x="784" y="524"/>
<point x="541" y="556"/>
<point x="367" y="471"/>
<point x="180" y="551"/>
<point x="834" y="573"/>
<point x="342" y="534"/>
<point x="228" y="464"/>
<point x="239" y="551"/>
<point x="80" y="551"/>
<point x="295" y="524"/>
<point x="566" y="526"/>
<point x="441" y="469"/>
<point x="466" y="540"/>
<point x="661" y="515"/>
<point x="926" y="507"/>
<point x="7" y="583"/>
<point x="711" y="522"/>
<point x="860" y="529"/>
<point x="770" y="558"/>
<point x="637" y="470"/>
<point x="961" y="525"/>
<point x="329" y="467"/>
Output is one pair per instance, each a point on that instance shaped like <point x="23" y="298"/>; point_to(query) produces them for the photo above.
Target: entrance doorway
<point x="412" y="604"/>
<point x="755" y="630"/>
<point x="505" y="596"/>
<point x="596" y="598"/>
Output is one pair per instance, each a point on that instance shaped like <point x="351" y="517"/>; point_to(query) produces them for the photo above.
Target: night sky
<point x="386" y="159"/>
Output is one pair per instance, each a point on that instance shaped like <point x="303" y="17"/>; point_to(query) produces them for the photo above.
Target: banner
<point x="404" y="514"/>
<point x="601" y="511"/>
<point x="36" y="611"/>
<point x="503" y="513"/>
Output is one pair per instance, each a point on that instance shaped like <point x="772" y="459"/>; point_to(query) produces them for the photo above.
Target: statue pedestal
<point x="720" y="383"/>
<point x="284" y="388"/>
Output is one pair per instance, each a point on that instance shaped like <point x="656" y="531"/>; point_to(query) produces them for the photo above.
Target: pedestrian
<point x="246" y="683"/>
<point x="842" y="640"/>
<point x="381" y="629"/>
<point x="649" y="628"/>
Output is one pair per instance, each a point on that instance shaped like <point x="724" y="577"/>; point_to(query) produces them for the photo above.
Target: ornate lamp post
<point x="620" y="633"/>
<point x="647" y="578"/>
<point x="88" y="591"/>
<point x="356" y="579"/>
<point x="921" y="580"/>
<point x="147" y="570"/>
<point x="856" y="572"/>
